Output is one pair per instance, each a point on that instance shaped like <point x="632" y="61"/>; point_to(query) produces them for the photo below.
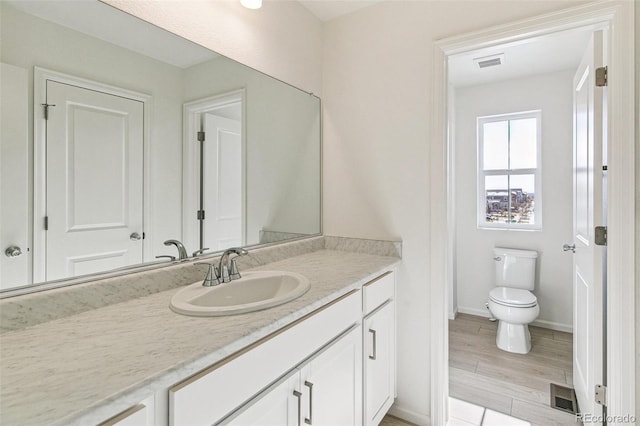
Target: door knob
<point x="569" y="247"/>
<point x="13" y="251"/>
<point x="135" y="237"/>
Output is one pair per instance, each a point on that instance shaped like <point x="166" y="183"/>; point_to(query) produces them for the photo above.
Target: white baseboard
<point x="452" y="315"/>
<point x="409" y="416"/>
<point x="473" y="311"/>
<point x="567" y="328"/>
<point x="553" y="326"/>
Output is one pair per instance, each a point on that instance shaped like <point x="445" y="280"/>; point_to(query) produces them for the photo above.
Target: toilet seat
<point x="513" y="297"/>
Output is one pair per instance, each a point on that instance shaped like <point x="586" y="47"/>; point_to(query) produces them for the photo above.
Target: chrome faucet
<point x="228" y="270"/>
<point x="182" y="252"/>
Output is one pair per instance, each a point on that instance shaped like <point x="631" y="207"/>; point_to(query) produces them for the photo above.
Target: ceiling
<point x="555" y="52"/>
<point x="326" y="10"/>
<point x="551" y="53"/>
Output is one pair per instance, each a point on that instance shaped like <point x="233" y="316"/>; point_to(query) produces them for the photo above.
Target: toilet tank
<point x="515" y="268"/>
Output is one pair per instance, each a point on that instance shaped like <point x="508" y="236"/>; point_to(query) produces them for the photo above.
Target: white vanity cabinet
<point x="333" y="366"/>
<point x="325" y="390"/>
<point x="379" y="345"/>
<point x="209" y="396"/>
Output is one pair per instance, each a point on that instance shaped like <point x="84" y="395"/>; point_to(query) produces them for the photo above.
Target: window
<point x="509" y="171"/>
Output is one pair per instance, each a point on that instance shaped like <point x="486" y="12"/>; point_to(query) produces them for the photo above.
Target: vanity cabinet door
<point x="331" y="383"/>
<point x="278" y="405"/>
<point x="379" y="362"/>
<point x="324" y="391"/>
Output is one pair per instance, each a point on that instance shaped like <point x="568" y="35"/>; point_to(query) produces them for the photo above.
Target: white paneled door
<point x="223" y="184"/>
<point x="94" y="181"/>
<point x="588" y="213"/>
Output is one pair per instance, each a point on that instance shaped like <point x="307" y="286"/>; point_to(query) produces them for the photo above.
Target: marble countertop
<point x="87" y="367"/>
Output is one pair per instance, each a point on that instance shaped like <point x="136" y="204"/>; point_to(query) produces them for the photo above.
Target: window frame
<point x="482" y="174"/>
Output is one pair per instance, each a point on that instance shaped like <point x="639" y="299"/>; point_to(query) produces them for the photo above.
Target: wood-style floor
<point x="517" y="385"/>
<point x="393" y="421"/>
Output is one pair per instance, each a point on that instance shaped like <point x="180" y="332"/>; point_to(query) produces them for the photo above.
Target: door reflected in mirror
<point x="118" y="136"/>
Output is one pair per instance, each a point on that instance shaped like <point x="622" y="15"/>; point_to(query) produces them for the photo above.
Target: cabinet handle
<point x="373" y="357"/>
<point x="309" y="420"/>
<point x="299" y="396"/>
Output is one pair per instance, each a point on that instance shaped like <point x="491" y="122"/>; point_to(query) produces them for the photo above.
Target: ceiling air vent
<point x="490" y="61"/>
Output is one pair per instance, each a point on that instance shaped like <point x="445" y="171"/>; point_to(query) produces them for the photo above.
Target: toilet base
<point x="513" y="338"/>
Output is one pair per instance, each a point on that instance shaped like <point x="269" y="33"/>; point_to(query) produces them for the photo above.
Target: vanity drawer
<point x="213" y="393"/>
<point x="378" y="291"/>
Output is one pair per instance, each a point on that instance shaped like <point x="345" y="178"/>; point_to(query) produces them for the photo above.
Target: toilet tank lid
<point x="514" y="252"/>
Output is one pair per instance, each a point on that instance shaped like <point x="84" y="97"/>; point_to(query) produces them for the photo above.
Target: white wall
<point x="14" y="175"/>
<point x="552" y="94"/>
<point x="377" y="107"/>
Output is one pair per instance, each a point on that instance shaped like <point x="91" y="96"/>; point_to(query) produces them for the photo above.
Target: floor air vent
<point x="563" y="399"/>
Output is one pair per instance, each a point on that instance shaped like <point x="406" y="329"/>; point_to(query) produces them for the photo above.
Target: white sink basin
<point x="254" y="291"/>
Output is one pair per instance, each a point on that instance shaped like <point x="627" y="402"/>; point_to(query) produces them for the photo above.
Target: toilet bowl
<point x="514" y="309"/>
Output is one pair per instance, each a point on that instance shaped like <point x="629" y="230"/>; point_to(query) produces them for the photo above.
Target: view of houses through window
<point x="508" y="170"/>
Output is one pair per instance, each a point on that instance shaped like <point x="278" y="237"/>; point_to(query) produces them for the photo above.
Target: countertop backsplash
<point x="35" y="308"/>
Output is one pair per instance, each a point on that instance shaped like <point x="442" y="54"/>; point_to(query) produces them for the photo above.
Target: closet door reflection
<point x="94" y="181"/>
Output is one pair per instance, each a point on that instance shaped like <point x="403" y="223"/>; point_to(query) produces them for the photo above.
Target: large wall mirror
<point x="117" y="136"/>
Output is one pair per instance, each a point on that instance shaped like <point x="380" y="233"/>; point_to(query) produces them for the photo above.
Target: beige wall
<point x="282" y="39"/>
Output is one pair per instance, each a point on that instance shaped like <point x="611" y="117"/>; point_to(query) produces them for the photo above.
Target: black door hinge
<point x="46" y="110"/>
<point x="602" y="77"/>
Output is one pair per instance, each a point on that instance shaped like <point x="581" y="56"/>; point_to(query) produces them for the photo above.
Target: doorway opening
<point x="214" y="172"/>
<point x="621" y="214"/>
<point x="512" y="145"/>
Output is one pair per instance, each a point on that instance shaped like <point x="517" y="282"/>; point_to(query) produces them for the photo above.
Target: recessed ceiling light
<point x="251" y="4"/>
<point x="490" y="61"/>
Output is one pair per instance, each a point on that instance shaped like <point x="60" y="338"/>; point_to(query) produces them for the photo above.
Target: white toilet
<point x="511" y="301"/>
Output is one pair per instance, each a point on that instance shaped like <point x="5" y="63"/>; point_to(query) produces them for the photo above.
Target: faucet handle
<point x="199" y="252"/>
<point x="223" y="274"/>
<point x="234" y="274"/>
<point x="239" y="251"/>
<point x="171" y="258"/>
<point x="212" y="275"/>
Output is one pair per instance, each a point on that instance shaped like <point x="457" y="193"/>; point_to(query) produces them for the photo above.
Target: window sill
<point x="510" y="228"/>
